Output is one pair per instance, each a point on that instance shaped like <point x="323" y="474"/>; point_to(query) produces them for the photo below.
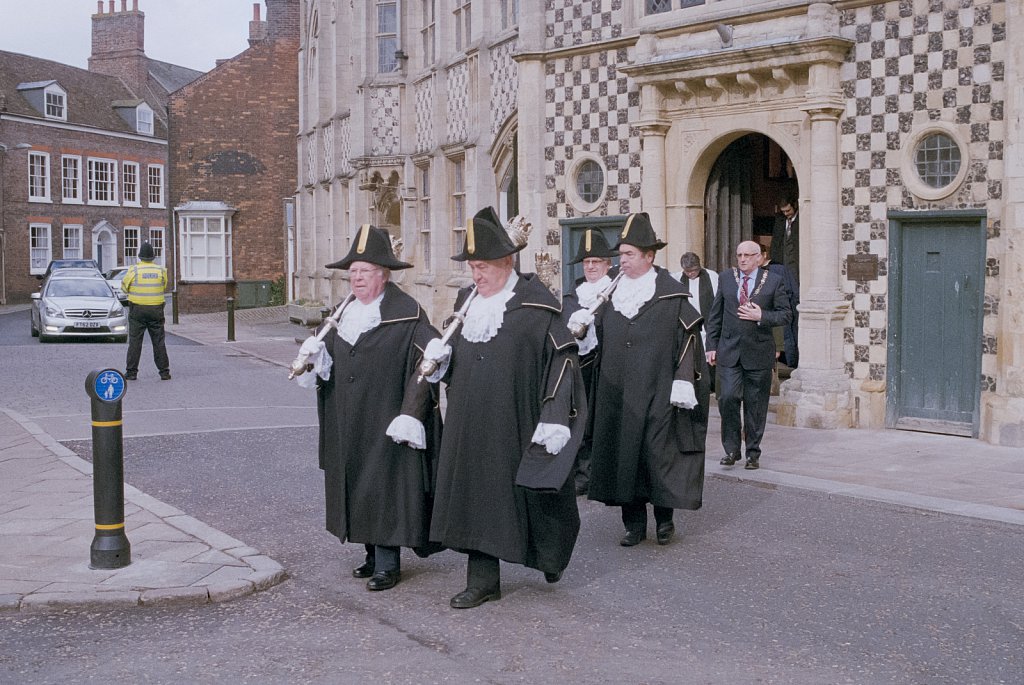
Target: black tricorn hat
<point x="371" y="245"/>
<point x="593" y="244"/>
<point x="486" y="238"/>
<point x="638" y="232"/>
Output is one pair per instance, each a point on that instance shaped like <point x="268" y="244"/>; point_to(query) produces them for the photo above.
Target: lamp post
<point x="3" y="215"/>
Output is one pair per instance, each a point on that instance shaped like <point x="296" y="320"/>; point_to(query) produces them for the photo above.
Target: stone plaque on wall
<point x="862" y="267"/>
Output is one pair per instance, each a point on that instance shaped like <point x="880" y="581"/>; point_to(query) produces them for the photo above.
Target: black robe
<point x="644" y="449"/>
<point x="498" y="391"/>
<point x="377" y="491"/>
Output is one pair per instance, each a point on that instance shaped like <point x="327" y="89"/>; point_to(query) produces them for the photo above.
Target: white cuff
<point x="683" y="395"/>
<point x="552" y="435"/>
<point x="407" y="429"/>
<point x="322" y="363"/>
<point x="589" y="342"/>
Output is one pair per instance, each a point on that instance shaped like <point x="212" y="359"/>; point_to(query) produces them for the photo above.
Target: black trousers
<point x="384" y="558"/>
<point x="483" y="571"/>
<point x="634" y="516"/>
<point x="142" y="318"/>
<point x="751" y="388"/>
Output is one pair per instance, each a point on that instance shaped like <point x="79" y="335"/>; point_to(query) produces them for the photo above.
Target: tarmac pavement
<point x="46" y="513"/>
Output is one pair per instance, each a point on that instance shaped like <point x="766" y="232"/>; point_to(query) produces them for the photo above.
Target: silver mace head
<point x="519" y="230"/>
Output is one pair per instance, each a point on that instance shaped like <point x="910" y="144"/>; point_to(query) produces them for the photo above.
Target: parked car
<point x="58" y="264"/>
<point x="77" y="306"/>
<point x="114" y="277"/>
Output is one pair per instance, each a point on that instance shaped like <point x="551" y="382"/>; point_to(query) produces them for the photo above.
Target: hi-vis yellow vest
<point x="145" y="283"/>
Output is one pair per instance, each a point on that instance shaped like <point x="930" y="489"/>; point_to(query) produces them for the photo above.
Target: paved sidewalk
<point x="47" y="527"/>
<point x="46" y="515"/>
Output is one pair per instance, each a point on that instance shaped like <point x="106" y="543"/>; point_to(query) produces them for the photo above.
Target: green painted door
<point x="935" y="322"/>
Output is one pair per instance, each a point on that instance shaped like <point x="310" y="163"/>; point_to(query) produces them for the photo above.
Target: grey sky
<point x="189" y="33"/>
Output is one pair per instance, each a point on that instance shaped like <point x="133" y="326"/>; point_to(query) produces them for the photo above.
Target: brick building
<point x="233" y="166"/>
<point x="83" y="154"/>
<point x="895" y="123"/>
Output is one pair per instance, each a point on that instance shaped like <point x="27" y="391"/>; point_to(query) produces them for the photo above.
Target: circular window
<point x="935" y="161"/>
<point x="938" y="160"/>
<point x="588" y="183"/>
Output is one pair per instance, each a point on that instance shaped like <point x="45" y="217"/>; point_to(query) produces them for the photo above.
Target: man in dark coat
<point x="652" y="392"/>
<point x="785" y="251"/>
<point x="378" y="488"/>
<point x="596" y="256"/>
<point x="513" y="390"/>
<point x="750" y="301"/>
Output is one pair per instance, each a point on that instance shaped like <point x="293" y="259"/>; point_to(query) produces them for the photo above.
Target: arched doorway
<point x="748" y="182"/>
<point x="104" y="245"/>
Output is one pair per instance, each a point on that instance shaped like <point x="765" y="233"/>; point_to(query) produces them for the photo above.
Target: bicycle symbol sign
<point x="109" y="386"/>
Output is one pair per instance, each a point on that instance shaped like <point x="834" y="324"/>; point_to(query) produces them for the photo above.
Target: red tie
<point x="743" y="290"/>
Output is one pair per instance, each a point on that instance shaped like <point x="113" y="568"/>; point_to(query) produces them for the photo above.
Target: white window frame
<point x="130" y="184"/>
<point x="386" y="41"/>
<point x="73" y="248"/>
<point x="459" y="215"/>
<point x="426" y="252"/>
<point x="40" y="248"/>
<point x="59" y="104"/>
<point x="156" y="239"/>
<point x="38" y="176"/>
<point x="130" y="245"/>
<point x="509" y="14"/>
<point x="197" y="231"/>
<point x="429" y="32"/>
<point x="71" y="183"/>
<point x="463" y="24"/>
<point x="144" y="119"/>
<point x="109" y="187"/>
<point x="155" y="189"/>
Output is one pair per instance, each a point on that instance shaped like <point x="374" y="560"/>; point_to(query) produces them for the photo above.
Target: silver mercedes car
<point x="77" y="306"/>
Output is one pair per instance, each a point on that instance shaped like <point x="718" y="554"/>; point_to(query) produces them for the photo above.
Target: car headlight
<point x="53" y="310"/>
<point x="117" y="309"/>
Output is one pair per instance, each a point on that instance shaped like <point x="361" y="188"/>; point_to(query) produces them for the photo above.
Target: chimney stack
<point x="118" y="45"/>
<point x="257" y="28"/>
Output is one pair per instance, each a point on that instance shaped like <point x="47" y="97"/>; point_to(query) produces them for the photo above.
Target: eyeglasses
<point x="362" y="272"/>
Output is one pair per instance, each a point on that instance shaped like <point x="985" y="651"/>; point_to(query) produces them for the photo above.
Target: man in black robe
<point x="513" y="425"/>
<point x="652" y="391"/>
<point x="596" y="256"/>
<point x="378" y="488"/>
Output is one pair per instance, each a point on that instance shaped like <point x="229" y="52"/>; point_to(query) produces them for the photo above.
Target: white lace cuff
<point x="552" y="435"/>
<point x="683" y="395"/>
<point x="322" y="363"/>
<point x="406" y="429"/>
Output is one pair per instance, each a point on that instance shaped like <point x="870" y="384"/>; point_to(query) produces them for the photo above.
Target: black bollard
<point x="174" y="306"/>
<point x="110" y="546"/>
<point x="231" y="319"/>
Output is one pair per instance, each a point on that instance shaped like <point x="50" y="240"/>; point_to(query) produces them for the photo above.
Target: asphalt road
<point x="765" y="585"/>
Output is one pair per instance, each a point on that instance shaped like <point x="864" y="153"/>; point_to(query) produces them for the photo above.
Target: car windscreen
<point x="78" y="287"/>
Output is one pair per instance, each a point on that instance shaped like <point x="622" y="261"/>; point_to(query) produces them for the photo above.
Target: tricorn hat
<point x="146" y="252"/>
<point x="371" y="245"/>
<point x="638" y="232"/>
<point x="486" y="238"/>
<point x="593" y="244"/>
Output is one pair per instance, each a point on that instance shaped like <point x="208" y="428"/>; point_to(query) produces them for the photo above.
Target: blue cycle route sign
<point x="109" y="385"/>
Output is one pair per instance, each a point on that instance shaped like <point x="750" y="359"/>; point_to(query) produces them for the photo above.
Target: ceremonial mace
<point x="579" y="330"/>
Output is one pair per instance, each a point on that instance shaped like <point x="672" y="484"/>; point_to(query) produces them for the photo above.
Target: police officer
<point x="144" y="284"/>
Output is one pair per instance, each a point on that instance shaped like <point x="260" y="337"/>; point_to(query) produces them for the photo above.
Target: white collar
<point x="587" y="292"/>
<point x="359" y="318"/>
<point x="486" y="314"/>
<point x="633" y="293"/>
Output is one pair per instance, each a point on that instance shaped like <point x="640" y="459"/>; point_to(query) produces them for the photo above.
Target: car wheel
<point x="35" y="331"/>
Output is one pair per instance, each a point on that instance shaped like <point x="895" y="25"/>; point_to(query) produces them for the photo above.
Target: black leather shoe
<point x="729" y="460"/>
<point x="665" y="532"/>
<point x="131" y="376"/>
<point x="165" y="375"/>
<point x="363" y="570"/>
<point x="552" y="577"/>
<point x="474" y="596"/>
<point x="751" y="465"/>
<point x="384" y="580"/>
<point x="633" y="538"/>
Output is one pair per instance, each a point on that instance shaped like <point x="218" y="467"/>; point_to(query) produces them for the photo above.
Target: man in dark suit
<point x="751" y="300"/>
<point x="785" y="251"/>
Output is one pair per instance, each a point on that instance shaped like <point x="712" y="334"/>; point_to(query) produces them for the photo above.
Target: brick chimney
<point x="118" y="47"/>
<point x="282" y="19"/>
<point x="257" y="28"/>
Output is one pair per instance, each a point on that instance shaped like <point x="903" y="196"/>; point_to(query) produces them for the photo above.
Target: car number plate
<point x="87" y="324"/>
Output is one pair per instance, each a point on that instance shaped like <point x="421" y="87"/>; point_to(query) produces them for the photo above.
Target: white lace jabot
<point x="632" y="293"/>
<point x="486" y="314"/>
<point x="587" y="292"/>
<point x="359" y="318"/>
